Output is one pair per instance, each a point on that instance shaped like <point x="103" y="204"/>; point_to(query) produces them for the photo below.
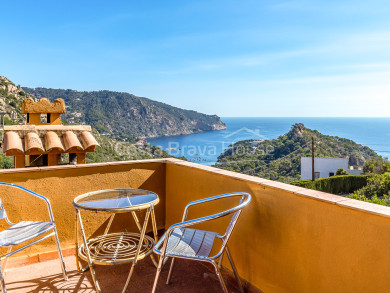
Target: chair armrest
<point x="34" y="194"/>
<point x="204" y="200"/>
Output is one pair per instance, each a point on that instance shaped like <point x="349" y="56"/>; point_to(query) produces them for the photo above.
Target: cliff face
<point x="128" y="117"/>
<point x="11" y="96"/>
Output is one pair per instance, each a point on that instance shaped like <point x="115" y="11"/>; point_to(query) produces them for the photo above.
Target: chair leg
<point x="60" y="255"/>
<point x="219" y="275"/>
<point x="2" y="271"/>
<point x="159" y="268"/>
<point x="234" y="269"/>
<point x="129" y="277"/>
<point x="6" y="259"/>
<point x="2" y="281"/>
<point x="220" y="261"/>
<point x="170" y="271"/>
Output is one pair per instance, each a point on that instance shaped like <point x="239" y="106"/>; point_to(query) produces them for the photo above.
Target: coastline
<point x="204" y="147"/>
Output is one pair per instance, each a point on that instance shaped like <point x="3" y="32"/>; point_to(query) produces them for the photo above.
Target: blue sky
<point x="230" y="58"/>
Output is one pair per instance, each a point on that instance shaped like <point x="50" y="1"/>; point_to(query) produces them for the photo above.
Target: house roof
<point x="38" y="139"/>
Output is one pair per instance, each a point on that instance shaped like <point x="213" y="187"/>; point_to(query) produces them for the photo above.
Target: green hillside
<point x="280" y="159"/>
<point x="11" y="96"/>
<point x="113" y="150"/>
<point x="124" y="116"/>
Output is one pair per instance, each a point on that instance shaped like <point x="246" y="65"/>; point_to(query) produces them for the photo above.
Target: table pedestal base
<point x="116" y="248"/>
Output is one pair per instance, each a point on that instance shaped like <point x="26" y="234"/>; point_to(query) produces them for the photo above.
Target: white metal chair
<point x="179" y="241"/>
<point x="25" y="231"/>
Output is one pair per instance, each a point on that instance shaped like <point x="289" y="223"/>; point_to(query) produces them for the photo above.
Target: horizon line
<point x="303" y="116"/>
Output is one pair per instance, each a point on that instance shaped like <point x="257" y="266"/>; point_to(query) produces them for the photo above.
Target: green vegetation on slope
<point x="374" y="187"/>
<point x="11" y="96"/>
<point x="280" y="159"/>
<point x="376" y="165"/>
<point x="342" y="184"/>
<point x="377" y="189"/>
<point x="113" y="150"/>
<point x="6" y="162"/>
<point x="127" y="117"/>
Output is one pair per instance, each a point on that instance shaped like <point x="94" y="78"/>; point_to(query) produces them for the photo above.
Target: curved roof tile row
<point x="68" y="142"/>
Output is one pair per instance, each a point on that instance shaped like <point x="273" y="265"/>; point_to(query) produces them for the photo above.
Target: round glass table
<point x="120" y="247"/>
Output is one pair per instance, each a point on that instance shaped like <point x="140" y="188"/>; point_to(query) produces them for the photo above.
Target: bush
<point x="343" y="184"/>
<point x="377" y="186"/>
<point x="4" y="92"/>
<point x="385" y="200"/>
<point x="377" y="165"/>
<point x="341" y="171"/>
<point x="8" y="121"/>
<point x="6" y="162"/>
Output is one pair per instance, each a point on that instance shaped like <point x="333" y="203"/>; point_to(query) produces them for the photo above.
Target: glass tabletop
<point x="123" y="199"/>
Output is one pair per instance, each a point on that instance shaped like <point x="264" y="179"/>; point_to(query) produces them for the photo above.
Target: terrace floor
<point x="47" y="277"/>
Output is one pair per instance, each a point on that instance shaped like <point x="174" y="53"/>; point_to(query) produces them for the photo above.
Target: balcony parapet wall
<point x="289" y="239"/>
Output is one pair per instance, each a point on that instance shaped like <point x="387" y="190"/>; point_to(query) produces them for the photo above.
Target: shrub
<point x="385" y="200"/>
<point x="8" y="121"/>
<point x="6" y="162"/>
<point x="341" y="171"/>
<point x="377" y="186"/>
<point x="336" y="184"/>
<point x="4" y="92"/>
<point x="377" y="165"/>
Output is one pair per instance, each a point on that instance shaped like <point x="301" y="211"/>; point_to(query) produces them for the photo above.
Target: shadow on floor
<point x="46" y="277"/>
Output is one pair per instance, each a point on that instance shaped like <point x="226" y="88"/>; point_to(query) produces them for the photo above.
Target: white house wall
<point x="322" y="165"/>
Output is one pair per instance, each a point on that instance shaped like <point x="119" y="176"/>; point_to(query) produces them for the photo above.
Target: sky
<point x="231" y="58"/>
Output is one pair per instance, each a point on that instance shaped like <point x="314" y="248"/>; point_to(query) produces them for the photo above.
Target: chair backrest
<point x="245" y="199"/>
<point x="3" y="214"/>
<point x="236" y="211"/>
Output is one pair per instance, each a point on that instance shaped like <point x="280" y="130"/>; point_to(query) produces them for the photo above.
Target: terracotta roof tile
<point x="71" y="142"/>
<point x="53" y="142"/>
<point x="30" y="141"/>
<point x="13" y="143"/>
<point x="88" y="141"/>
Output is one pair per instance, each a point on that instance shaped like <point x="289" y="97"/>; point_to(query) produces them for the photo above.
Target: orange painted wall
<point x="291" y="240"/>
<point x="61" y="184"/>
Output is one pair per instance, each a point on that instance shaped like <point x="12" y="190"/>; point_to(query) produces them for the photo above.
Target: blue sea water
<point x="205" y="147"/>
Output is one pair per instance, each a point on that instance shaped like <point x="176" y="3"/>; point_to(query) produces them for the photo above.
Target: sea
<point x="205" y="147"/>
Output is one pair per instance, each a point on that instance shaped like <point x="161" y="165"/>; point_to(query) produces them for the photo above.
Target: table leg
<point x="136" y="220"/>
<point x="109" y="224"/>
<point x="153" y="216"/>
<point x="140" y="243"/>
<point x="90" y="262"/>
<point x="78" y="262"/>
